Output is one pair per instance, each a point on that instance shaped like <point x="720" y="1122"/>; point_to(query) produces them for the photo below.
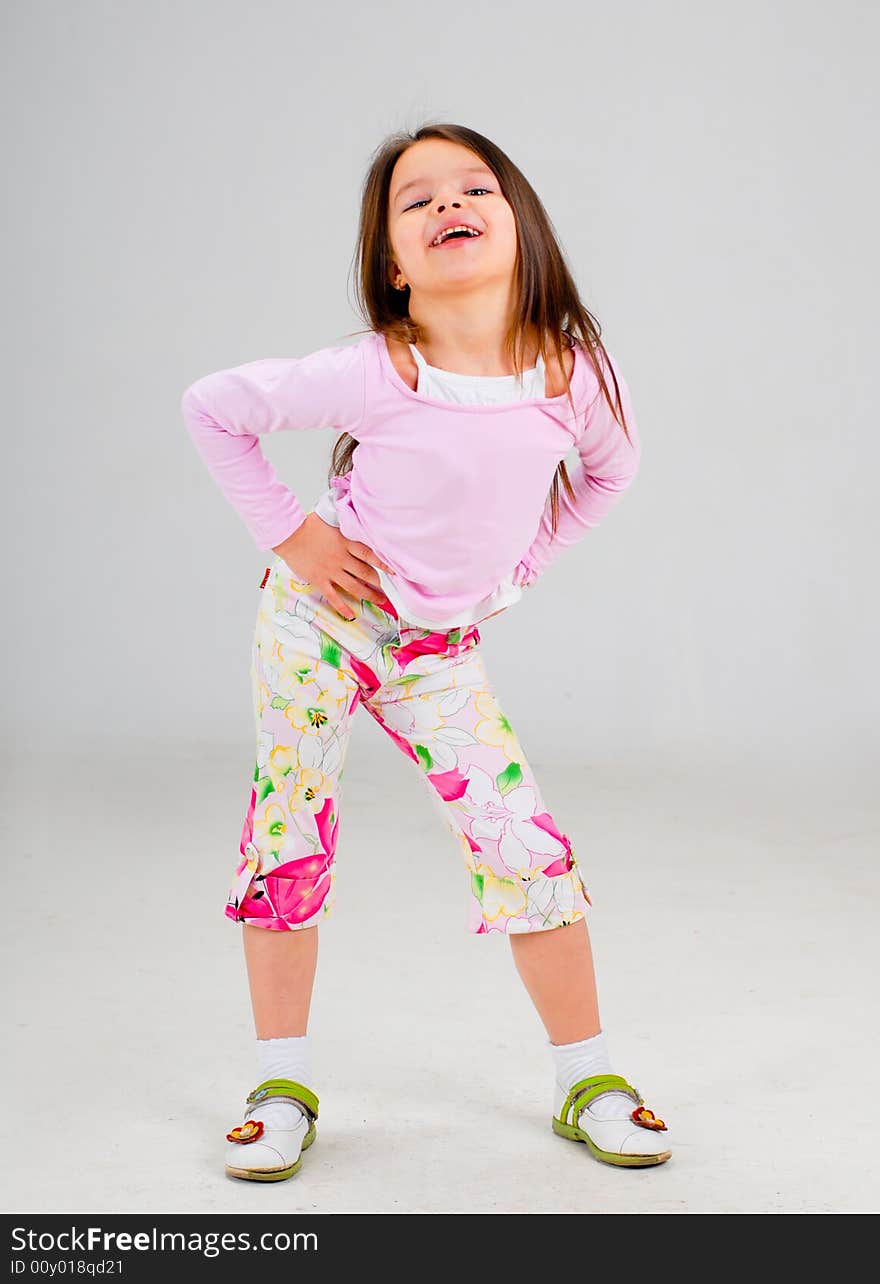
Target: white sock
<point x="582" y="1060"/>
<point x="283" y="1059"/>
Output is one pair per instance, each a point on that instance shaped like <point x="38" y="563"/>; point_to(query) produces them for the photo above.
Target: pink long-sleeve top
<point x="454" y="497"/>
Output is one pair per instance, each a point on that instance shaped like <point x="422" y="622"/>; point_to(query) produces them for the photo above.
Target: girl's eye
<point x="487" y="190"/>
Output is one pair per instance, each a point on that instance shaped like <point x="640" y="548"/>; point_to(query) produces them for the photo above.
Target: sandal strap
<point x="284" y="1089"/>
<point x="587" y="1090"/>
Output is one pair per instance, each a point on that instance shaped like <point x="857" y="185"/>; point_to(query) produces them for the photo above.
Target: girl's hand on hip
<point x="320" y="555"/>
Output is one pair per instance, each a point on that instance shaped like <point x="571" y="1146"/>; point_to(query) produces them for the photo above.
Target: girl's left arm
<point x="607" y="463"/>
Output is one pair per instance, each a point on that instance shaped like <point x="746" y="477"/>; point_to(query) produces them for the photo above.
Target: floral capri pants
<point x="310" y="671"/>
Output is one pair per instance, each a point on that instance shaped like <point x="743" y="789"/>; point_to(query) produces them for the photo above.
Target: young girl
<point x="480" y="370"/>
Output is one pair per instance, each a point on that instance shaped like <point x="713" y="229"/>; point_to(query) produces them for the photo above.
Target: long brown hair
<point x="547" y="298"/>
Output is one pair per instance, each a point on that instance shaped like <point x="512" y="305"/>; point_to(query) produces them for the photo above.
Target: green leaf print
<point x="382" y="617"/>
<point x="278" y="702"/>
<point x="477" y="881"/>
<point x="424" y="757"/>
<point x="330" y="650"/>
<point x="406" y="680"/>
<point x="256" y="772"/>
<point x="264" y="788"/>
<point x="509" y="778"/>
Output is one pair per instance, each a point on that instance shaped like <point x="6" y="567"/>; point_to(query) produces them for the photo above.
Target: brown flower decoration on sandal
<point x="246" y="1132"/>
<point x="647" y="1119"/>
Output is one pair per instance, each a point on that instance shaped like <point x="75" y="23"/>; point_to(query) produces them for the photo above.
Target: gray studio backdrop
<point x="180" y="206"/>
<point x="695" y="682"/>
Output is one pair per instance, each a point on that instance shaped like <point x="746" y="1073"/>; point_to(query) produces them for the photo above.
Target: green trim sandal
<point x="264" y="1152"/>
<point x="632" y="1141"/>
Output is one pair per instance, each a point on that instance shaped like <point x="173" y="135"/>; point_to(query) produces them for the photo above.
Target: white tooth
<point x="460" y="227"/>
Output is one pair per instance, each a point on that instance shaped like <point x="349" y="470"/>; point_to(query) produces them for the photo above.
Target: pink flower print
<point x="253" y="907"/>
<point x="508" y="819"/>
<point x="369" y="683"/>
<point x="449" y="784"/>
<point x="435" y="643"/>
<point x="565" y="862"/>
<point x="297" y="888"/>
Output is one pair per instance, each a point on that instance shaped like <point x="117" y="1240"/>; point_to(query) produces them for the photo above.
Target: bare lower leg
<point x="281" y="972"/>
<point x="556" y="966"/>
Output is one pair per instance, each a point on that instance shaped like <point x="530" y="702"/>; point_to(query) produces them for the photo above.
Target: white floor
<point x="734" y="927"/>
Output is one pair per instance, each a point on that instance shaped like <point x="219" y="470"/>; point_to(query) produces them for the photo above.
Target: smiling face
<point x="436" y="182"/>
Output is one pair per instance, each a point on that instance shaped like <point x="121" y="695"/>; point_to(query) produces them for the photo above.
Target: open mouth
<point x="455" y="234"/>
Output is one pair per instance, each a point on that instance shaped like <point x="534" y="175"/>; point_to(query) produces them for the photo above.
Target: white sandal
<point x="265" y="1152"/>
<point x="633" y="1141"/>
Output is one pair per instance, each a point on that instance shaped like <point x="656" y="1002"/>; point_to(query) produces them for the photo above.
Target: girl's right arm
<point x="227" y="412"/>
